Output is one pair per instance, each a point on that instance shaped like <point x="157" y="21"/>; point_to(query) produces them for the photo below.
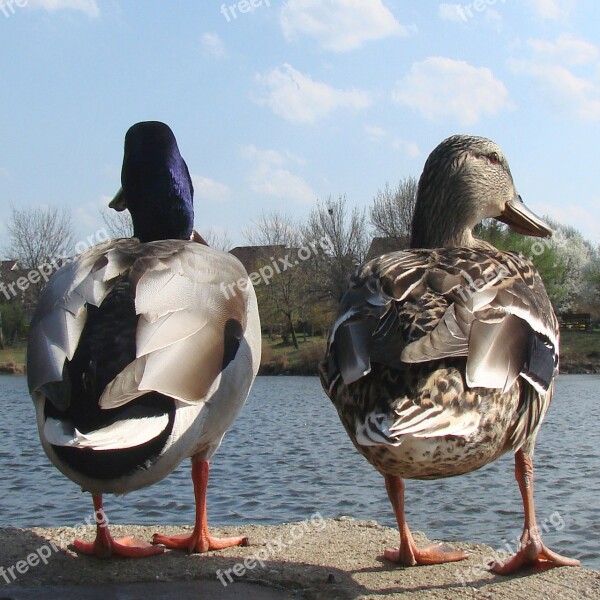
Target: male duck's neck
<point x="173" y="221"/>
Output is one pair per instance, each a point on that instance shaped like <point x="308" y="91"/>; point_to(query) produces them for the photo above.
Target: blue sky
<point x="297" y="100"/>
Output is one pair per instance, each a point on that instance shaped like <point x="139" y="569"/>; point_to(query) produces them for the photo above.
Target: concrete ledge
<point x="316" y="559"/>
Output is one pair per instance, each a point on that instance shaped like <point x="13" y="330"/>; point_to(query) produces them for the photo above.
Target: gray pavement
<point x="196" y="590"/>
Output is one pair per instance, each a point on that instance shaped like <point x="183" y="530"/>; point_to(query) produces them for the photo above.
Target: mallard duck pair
<point x="443" y="357"/>
<point x="439" y="361"/>
<point x="136" y="359"/>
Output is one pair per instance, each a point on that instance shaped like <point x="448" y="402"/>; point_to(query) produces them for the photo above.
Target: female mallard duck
<point x="442" y="360"/>
<point x="136" y="358"/>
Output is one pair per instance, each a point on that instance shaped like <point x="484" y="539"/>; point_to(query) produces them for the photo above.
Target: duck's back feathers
<point x="130" y="359"/>
<point x="185" y="317"/>
<point x="420" y="306"/>
<point x="445" y="357"/>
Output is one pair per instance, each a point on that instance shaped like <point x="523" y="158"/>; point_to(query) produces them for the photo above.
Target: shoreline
<point x="317" y="559"/>
<point x="589" y="366"/>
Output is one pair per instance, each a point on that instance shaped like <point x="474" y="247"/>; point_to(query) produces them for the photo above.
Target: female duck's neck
<point x="441" y="219"/>
<point x="431" y="230"/>
<point x="463" y="239"/>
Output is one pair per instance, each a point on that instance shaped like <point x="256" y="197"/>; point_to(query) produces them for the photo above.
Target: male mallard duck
<point x="137" y="358"/>
<point x="442" y="360"/>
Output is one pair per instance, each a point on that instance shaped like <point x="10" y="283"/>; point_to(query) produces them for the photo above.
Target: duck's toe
<point x="410" y="555"/>
<point x="531" y="554"/>
<point x="198" y="543"/>
<point x="127" y="547"/>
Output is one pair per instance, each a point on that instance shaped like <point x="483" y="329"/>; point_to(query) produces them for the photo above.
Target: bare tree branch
<point x="283" y="294"/>
<point x="39" y="239"/>
<point x="273" y="229"/>
<point x="219" y="240"/>
<point x="392" y="210"/>
<point x="37" y="236"/>
<point x="346" y="239"/>
<point x="118" y="223"/>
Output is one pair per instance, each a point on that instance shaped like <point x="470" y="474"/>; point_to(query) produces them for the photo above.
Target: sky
<point x="279" y="103"/>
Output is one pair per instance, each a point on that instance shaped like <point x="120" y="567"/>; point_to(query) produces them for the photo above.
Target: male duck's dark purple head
<point x="156" y="185"/>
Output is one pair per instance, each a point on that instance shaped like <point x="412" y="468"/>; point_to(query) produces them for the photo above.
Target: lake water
<point x="287" y="456"/>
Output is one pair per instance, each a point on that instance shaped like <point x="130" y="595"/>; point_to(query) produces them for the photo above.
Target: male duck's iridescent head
<point x="156" y="186"/>
<point x="467" y="179"/>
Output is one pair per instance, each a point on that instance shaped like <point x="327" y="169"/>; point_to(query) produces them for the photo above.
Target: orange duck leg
<point x="408" y="554"/>
<point x="532" y="550"/>
<point x="200" y="539"/>
<point x="104" y="546"/>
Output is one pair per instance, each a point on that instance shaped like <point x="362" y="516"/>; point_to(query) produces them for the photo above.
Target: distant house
<point x="25" y="285"/>
<point x="255" y="257"/>
<point x="575" y="321"/>
<point x="8" y="267"/>
<point x="384" y="245"/>
<point x="10" y="272"/>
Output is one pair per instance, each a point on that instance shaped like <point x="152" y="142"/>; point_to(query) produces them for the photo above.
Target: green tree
<point x="14" y="320"/>
<point x="561" y="260"/>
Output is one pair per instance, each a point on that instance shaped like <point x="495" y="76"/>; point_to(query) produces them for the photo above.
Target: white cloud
<point x="553" y="10"/>
<point x="442" y="88"/>
<point x="563" y="89"/>
<point x="567" y="49"/>
<point x="452" y="12"/>
<point x="213" y="44"/>
<point x="300" y="99"/>
<point x="493" y="18"/>
<point x="89" y="7"/>
<point x="339" y="25"/>
<point x="271" y="178"/>
<point x="552" y="66"/>
<point x="375" y="134"/>
<point x="461" y="13"/>
<point x="378" y="135"/>
<point x="408" y="147"/>
<point x="206" y="188"/>
<point x="272" y="157"/>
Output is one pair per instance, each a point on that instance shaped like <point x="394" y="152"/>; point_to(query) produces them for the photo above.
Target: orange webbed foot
<point x="430" y="555"/>
<point x="533" y="552"/>
<point x="127" y="547"/>
<point x="196" y="543"/>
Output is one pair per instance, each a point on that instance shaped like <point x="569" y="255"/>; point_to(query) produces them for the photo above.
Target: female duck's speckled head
<point x="156" y="184"/>
<point x="467" y="179"/>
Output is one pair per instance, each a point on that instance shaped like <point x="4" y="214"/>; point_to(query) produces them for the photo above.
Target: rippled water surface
<point x="287" y="456"/>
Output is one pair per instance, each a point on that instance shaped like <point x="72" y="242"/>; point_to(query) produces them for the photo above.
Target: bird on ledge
<point x="443" y="357"/>
<point x="136" y="359"/>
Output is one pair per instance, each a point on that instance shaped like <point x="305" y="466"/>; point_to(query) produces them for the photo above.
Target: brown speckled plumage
<point x="441" y="360"/>
<point x="411" y="307"/>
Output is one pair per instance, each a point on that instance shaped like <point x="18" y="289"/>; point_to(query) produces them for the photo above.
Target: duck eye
<point x="494" y="158"/>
